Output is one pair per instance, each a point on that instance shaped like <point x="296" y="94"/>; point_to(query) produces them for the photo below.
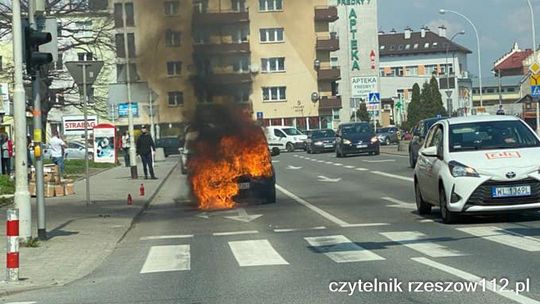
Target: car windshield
<point x="491" y="135"/>
<point x="292" y="131"/>
<point x="384" y="130"/>
<point x="355" y="129"/>
<point x="323" y="134"/>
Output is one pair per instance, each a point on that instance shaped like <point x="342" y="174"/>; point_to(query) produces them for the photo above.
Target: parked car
<point x="478" y="164"/>
<point x="419" y="135"/>
<point x="170" y="145"/>
<point x="388" y="135"/>
<point x="285" y="138"/>
<point x="356" y="137"/>
<point x="323" y="140"/>
<point x="74" y="150"/>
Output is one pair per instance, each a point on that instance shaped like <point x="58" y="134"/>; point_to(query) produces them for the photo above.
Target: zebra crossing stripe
<point x="167" y="258"/>
<point x="505" y="237"/>
<point x="256" y="253"/>
<point x="341" y="250"/>
<point x="419" y="242"/>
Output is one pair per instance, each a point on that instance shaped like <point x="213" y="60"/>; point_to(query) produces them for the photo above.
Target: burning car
<point x="229" y="161"/>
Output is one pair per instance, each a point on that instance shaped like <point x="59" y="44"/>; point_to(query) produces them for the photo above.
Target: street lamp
<point x="533" y="31"/>
<point x="449" y="105"/>
<point x="444" y="11"/>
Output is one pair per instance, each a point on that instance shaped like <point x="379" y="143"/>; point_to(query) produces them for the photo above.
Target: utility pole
<point x="132" y="154"/>
<point x="22" y="195"/>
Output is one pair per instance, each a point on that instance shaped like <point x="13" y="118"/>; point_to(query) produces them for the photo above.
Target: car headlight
<point x="374" y="140"/>
<point x="318" y="143"/>
<point x="460" y="170"/>
<point x="346" y="142"/>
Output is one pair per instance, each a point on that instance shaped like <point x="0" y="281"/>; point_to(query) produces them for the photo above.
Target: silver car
<point x="74" y="150"/>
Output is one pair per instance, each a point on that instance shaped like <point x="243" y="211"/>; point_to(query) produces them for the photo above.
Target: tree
<point x="362" y="113"/>
<point x="434" y="104"/>
<point x="414" y="110"/>
<point x="96" y="39"/>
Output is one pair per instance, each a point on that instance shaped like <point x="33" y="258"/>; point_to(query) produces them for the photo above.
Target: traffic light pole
<point x="132" y="151"/>
<point x="22" y="195"/>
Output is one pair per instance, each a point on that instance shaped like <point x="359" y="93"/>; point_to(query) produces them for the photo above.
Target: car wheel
<point x="290" y="147"/>
<point x="412" y="162"/>
<point x="275" y="151"/>
<point x="338" y="154"/>
<point x="377" y="152"/>
<point x="387" y="141"/>
<point x="271" y="197"/>
<point x="447" y="216"/>
<point x="421" y="206"/>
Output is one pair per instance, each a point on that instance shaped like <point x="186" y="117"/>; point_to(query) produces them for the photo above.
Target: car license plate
<point x="243" y="186"/>
<point x="511" y="191"/>
<point x="361" y="146"/>
<point x="328" y="146"/>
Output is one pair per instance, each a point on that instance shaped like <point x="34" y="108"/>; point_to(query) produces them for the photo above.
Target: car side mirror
<point x="429" y="152"/>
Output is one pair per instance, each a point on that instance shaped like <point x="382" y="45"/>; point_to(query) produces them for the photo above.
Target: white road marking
<point x="361" y="169"/>
<point x="504" y="237"/>
<point x="30" y="302"/>
<point x="293" y="167"/>
<point x="167" y="258"/>
<point x="349" y="167"/>
<point x="426" y="221"/>
<point x="299" y="229"/>
<point x="166" y="237"/>
<point x="327" y="179"/>
<point x="320" y="161"/>
<point x="507" y="292"/>
<point x="380" y="161"/>
<point x="364" y="225"/>
<point x="256" y="253"/>
<point x="329" y="163"/>
<point x="341" y="250"/>
<point x="318" y="210"/>
<point x="338" y="164"/>
<point x="410" y="179"/>
<point x="399" y="204"/>
<point x="417" y="241"/>
<point x="296" y="155"/>
<point x="275" y="161"/>
<point x="235" y="233"/>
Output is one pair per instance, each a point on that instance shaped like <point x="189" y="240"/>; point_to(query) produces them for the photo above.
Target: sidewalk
<point x="81" y="236"/>
<point x="401" y="149"/>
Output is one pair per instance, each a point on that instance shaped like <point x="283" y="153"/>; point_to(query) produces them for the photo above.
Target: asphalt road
<point x="337" y="221"/>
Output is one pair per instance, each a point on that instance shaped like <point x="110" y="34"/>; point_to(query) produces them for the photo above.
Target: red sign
<point x="497" y="155"/>
<point x="372" y="58"/>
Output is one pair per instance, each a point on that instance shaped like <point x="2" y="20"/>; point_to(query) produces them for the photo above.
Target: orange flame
<point x="214" y="168"/>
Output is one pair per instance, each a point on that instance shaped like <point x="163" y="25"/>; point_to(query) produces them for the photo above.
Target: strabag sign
<point x="74" y="125"/>
<point x="361" y="86"/>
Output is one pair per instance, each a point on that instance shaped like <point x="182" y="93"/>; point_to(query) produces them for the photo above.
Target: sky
<point x="500" y="23"/>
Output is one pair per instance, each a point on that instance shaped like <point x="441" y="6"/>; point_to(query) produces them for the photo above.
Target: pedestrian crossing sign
<point x="535" y="91"/>
<point x="374" y="97"/>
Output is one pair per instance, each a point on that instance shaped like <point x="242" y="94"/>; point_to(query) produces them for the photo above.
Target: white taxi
<point x="477" y="164"/>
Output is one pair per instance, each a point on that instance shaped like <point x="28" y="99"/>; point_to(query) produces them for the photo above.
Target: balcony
<point x="330" y="44"/>
<point x="330" y="102"/>
<point x="326" y="13"/>
<point x="221" y="17"/>
<point x="328" y="74"/>
<point x="225" y="79"/>
<point x="221" y="48"/>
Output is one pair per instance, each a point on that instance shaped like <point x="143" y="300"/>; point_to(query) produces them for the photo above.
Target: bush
<point x="7" y="186"/>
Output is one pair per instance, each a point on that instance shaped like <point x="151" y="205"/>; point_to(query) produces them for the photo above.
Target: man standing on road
<point x="125" y="147"/>
<point x="145" y="147"/>
<point x="57" y="147"/>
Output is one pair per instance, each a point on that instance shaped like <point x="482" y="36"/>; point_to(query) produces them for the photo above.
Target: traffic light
<point x="32" y="40"/>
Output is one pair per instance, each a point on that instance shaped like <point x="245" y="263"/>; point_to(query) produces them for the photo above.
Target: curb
<point x="5" y="293"/>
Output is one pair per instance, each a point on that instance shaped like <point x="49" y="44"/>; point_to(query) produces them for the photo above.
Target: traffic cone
<point x="141" y="190"/>
<point x="129" y="200"/>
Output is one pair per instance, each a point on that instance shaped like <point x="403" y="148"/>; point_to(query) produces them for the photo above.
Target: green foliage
<point x="362" y="113"/>
<point x="415" y="109"/>
<point x="424" y="103"/>
<point x="77" y="166"/>
<point x="31" y="243"/>
<point x="7" y="186"/>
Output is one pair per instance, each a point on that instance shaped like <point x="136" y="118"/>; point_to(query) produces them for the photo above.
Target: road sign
<point x="449" y="93"/>
<point x="123" y="109"/>
<point x="534" y="79"/>
<point x="534" y="68"/>
<point x="260" y="115"/>
<point x="93" y="68"/>
<point x="535" y="91"/>
<point x="374" y="97"/>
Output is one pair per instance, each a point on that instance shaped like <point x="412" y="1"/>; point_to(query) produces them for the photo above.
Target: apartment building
<point x="413" y="57"/>
<point x="272" y="56"/>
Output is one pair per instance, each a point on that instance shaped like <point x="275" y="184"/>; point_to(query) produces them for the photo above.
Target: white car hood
<point x="497" y="163"/>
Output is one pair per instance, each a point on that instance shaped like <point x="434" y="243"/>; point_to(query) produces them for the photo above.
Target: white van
<point x="285" y="138"/>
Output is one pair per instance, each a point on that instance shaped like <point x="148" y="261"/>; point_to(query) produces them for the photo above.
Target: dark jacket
<point x="145" y="144"/>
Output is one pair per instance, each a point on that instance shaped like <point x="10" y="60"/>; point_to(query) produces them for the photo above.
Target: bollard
<point x="12" y="233"/>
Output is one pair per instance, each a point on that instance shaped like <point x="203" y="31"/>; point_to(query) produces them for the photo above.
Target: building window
<point x="120" y="50"/>
<point x="412" y="70"/>
<point x="174" y="68"/>
<point x="270" y="5"/>
<point x="426" y="46"/>
<point x="118" y="18"/>
<point x="242" y="96"/>
<point x="381" y="72"/>
<point x="397" y="71"/>
<point x="382" y="47"/>
<point x="434" y="44"/>
<point x="201" y="36"/>
<point x="2" y="63"/>
<point x="172" y="38"/>
<point x="415" y="46"/>
<point x="272" y="65"/>
<point x="241" y="65"/>
<point x="334" y="62"/>
<point x="171" y="8"/>
<point x="239" y="5"/>
<point x="408" y="46"/>
<point x="430" y="69"/>
<point x="272" y="35"/>
<point x="401" y="47"/>
<point x="121" y="73"/>
<point x="510" y="90"/>
<point x="176" y="98"/>
<point x="85" y="56"/>
<point x="240" y="35"/>
<point x="335" y="114"/>
<point x="274" y="93"/>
